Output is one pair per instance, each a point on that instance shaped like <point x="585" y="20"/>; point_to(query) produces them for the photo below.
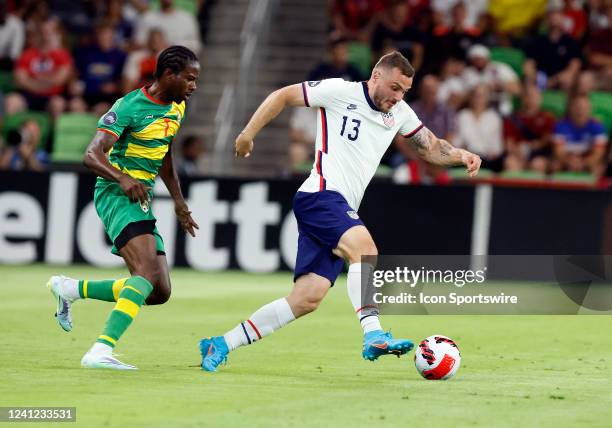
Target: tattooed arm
<point x="440" y="152"/>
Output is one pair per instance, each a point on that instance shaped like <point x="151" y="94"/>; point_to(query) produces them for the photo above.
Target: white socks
<point x="263" y="322"/>
<point x="366" y="313"/>
<point x="70" y="288"/>
<point x="100" y="348"/>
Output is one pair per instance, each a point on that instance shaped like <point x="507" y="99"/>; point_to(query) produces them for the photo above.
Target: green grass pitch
<point x="527" y="371"/>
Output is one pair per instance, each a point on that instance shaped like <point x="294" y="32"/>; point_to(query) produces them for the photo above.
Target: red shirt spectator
<point x="522" y="127"/>
<point x="528" y="134"/>
<point x="575" y="20"/>
<point x="352" y="17"/>
<point x="44" y="66"/>
<point x="44" y="69"/>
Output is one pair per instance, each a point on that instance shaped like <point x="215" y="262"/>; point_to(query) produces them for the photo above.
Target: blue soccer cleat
<point x="214" y="352"/>
<point x="377" y="343"/>
<point x="63" y="310"/>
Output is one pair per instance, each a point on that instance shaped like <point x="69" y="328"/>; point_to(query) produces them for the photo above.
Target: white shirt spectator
<point x="473" y="10"/>
<point x="481" y="135"/>
<point x="452" y="86"/>
<point x="12" y="37"/>
<point x="179" y="28"/>
<point x="494" y="75"/>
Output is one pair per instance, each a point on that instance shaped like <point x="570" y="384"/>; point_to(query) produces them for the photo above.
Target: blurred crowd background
<point x="524" y="83"/>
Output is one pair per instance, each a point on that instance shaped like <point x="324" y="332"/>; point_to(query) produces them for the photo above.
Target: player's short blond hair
<point x="396" y="60"/>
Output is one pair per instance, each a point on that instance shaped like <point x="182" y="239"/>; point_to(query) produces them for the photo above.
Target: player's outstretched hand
<point x="472" y="162"/>
<point x="134" y="189"/>
<point x="243" y="146"/>
<point x="184" y="217"/>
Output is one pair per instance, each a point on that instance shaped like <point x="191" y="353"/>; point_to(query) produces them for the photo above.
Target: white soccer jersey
<point x="352" y="136"/>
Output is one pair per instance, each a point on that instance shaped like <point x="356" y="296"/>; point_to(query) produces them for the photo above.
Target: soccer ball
<point x="437" y="358"/>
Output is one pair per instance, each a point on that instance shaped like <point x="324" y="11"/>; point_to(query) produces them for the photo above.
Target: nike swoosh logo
<point x="380" y="345"/>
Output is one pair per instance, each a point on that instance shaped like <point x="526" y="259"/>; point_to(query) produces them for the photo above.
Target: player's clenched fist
<point x="244" y="145"/>
<point x="472" y="162"/>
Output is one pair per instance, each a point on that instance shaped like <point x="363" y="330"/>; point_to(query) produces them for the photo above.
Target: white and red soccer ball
<point x="437" y="358"/>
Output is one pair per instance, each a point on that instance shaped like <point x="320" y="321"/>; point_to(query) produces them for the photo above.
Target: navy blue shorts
<point x="322" y="218"/>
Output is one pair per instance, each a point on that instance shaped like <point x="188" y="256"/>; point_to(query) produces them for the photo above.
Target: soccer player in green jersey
<point x="131" y="147"/>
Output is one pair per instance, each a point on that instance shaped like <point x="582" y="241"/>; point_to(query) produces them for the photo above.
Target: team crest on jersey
<point x="109" y="118"/>
<point x="144" y="206"/>
<point x="353" y="214"/>
<point x="388" y="119"/>
<point x="313" y="83"/>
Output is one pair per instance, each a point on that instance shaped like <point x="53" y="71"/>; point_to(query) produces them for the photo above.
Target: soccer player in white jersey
<point x="357" y="121"/>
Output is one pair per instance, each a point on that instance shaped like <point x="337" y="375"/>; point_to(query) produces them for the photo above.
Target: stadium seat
<point x="574" y="177"/>
<point x="360" y="56"/>
<point x="73" y="132"/>
<point x="554" y="102"/>
<point x="383" y="171"/>
<point x="601" y="103"/>
<point x="460" y="173"/>
<point x="522" y="175"/>
<point x="186" y="5"/>
<point x="14" y="122"/>
<point x="6" y="81"/>
<point x="511" y="56"/>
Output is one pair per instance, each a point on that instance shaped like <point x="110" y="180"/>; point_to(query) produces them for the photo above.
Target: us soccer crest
<point x="388" y="119"/>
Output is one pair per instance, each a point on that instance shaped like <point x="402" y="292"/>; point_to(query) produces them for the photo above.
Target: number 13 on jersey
<point x="353" y="132"/>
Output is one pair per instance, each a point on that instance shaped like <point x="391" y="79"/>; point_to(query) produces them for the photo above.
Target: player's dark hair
<point x="393" y="60"/>
<point x="175" y="58"/>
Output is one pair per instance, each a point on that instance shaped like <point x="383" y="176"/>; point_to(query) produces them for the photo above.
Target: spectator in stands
<point x="528" y="134"/>
<point x="452" y="91"/>
<point x="575" y="18"/>
<point x="451" y="40"/>
<point x="599" y="53"/>
<point x="514" y="18"/>
<point x="12" y="38"/>
<point x="122" y="27"/>
<point x="100" y="67"/>
<point x="598" y="16"/>
<point x="438" y="117"/>
<point x="580" y="140"/>
<point x="303" y="134"/>
<point x="553" y="58"/>
<point x="479" y="129"/>
<point x="43" y="70"/>
<point x="355" y="19"/>
<point x="502" y="81"/>
<point x="14" y="103"/>
<point x="76" y="16"/>
<point x="191" y="150"/>
<point x="337" y="64"/>
<point x="139" y="69"/>
<point x="179" y="26"/>
<point x="443" y="10"/>
<point x="393" y="28"/>
<point x="23" y="150"/>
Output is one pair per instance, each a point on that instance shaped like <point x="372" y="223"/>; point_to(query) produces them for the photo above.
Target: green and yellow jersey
<point x="144" y="127"/>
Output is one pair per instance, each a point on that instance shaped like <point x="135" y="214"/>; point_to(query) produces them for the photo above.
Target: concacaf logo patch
<point x="353" y="214"/>
<point x="109" y="118"/>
